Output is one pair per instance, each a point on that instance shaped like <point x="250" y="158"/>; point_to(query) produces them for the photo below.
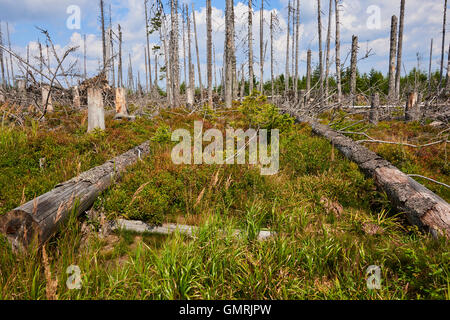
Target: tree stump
<point x="412" y="109"/>
<point x="374" y="109"/>
<point x="121" y="102"/>
<point x="96" y="112"/>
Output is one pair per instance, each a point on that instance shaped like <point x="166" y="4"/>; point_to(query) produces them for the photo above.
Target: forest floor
<point x="331" y="222"/>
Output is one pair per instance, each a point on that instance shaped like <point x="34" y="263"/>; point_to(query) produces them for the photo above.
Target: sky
<point x="369" y="20"/>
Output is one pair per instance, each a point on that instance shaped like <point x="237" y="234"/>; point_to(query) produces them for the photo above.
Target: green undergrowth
<point x="331" y="225"/>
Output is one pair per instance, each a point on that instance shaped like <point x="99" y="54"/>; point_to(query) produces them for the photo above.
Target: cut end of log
<point x="19" y="228"/>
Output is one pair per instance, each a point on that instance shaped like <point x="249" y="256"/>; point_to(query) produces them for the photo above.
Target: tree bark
<point x="429" y="68"/>
<point x="120" y="69"/>
<point x="37" y="220"/>
<point x="149" y="62"/>
<point x="271" y="55"/>
<point x="412" y="109"/>
<point x="121" y="102"/>
<point x="374" y="109"/>
<point x="398" y="73"/>
<point x="1" y="58"/>
<point x="308" y="76"/>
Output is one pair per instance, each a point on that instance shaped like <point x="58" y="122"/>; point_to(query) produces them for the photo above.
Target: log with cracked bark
<point x="37" y="220"/>
<point x="421" y="206"/>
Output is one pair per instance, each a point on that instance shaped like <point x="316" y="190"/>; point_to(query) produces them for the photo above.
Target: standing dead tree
<point x="392" y="57"/>
<point x="400" y="50"/>
<point x="191" y="86"/>
<point x="319" y="26"/>
<point x="209" y="51"/>
<point x="297" y="40"/>
<point x="353" y="69"/>
<point x="228" y="55"/>
<point x="444" y="23"/>
<point x="327" y="63"/>
<point x="174" y="53"/>
<point x="250" y="46"/>
<point x="286" y="80"/>
<point x="198" y="54"/>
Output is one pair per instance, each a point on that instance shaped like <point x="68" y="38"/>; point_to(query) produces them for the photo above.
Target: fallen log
<point x="421" y="206"/>
<point x="37" y="220"/>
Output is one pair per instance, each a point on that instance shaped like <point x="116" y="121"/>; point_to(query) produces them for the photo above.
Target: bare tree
<point x="198" y="54"/>
<point x="120" y="69"/>
<point x="175" y="65"/>
<point x="447" y="87"/>
<point x="261" y="47"/>
<point x="441" y="72"/>
<point x="327" y="63"/>
<point x="338" y="54"/>
<point x="319" y="26"/>
<point x="392" y="57"/>
<point x="1" y="58"/>
<point x="297" y="40"/>
<point x="10" y="54"/>
<point x="102" y="21"/>
<point x="84" y="57"/>
<point x="400" y="49"/>
<point x="271" y="54"/>
<point x="354" y="60"/>
<point x="308" y="75"/>
<point x="250" y="46"/>
<point x="429" y="67"/>
<point x="147" y="34"/>
<point x="209" y="50"/>
<point x="228" y="55"/>
<point x="191" y="86"/>
<point x="286" y="80"/>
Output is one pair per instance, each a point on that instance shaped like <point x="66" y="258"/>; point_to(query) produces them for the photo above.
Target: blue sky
<point x="423" y="22"/>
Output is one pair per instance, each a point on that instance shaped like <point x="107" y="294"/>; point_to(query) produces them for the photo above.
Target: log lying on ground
<point x="422" y="207"/>
<point x="37" y="220"/>
<point x="169" y="228"/>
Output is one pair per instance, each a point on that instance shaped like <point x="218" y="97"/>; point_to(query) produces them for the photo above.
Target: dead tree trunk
<point x="1" y="58"/>
<point x="191" y="86"/>
<point x="120" y="71"/>
<point x="183" y="15"/>
<point x="11" y="57"/>
<point x="102" y="21"/>
<point x="392" y="57"/>
<point x="398" y="73"/>
<point x="422" y="207"/>
<point x="412" y="109"/>
<point x="429" y="68"/>
<point x="374" y="109"/>
<point x="96" y="113"/>
<point x="447" y="86"/>
<point x="76" y="97"/>
<point x="338" y="55"/>
<point x="327" y="63"/>
<point x="319" y="24"/>
<point x="297" y="40"/>
<point x="261" y="48"/>
<point x="209" y="50"/>
<point x="198" y="55"/>
<point x="37" y="220"/>
<point x="121" y="102"/>
<point x="250" y="46"/>
<point x="46" y="98"/>
<point x="175" y="65"/>
<point x="354" y="61"/>
<point x="84" y="57"/>
<point x="441" y="73"/>
<point x="271" y="55"/>
<point x="228" y="56"/>
<point x="286" y="80"/>
<point x="149" y="63"/>
<point x="308" y="76"/>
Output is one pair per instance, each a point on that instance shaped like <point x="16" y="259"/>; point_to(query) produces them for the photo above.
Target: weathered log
<point x="37" y="220"/>
<point x="421" y="206"/>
